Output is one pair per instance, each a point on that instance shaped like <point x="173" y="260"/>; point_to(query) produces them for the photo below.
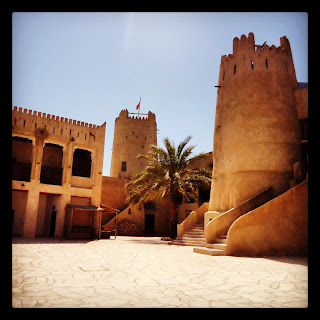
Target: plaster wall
<point x="279" y="227"/>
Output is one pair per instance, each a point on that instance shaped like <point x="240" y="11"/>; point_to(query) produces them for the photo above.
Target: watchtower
<point x="132" y="136"/>
<point x="257" y="133"/>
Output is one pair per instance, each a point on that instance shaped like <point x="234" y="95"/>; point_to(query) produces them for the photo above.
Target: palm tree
<point x="168" y="173"/>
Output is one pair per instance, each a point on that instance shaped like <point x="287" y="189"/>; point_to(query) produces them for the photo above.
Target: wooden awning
<point x="82" y="207"/>
<point x="108" y="209"/>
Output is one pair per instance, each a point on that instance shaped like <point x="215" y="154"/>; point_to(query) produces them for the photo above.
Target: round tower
<point x="257" y="134"/>
<point x="132" y="136"/>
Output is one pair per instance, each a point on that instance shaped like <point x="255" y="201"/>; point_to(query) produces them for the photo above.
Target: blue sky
<point x="90" y="66"/>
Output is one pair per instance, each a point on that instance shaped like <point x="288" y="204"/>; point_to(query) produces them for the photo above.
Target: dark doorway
<point x="149" y="223"/>
<point x="53" y="223"/>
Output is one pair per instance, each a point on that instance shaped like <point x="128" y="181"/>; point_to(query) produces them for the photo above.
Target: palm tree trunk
<point x="173" y="217"/>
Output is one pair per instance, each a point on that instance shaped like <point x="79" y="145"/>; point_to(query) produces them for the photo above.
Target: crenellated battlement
<point x="48" y="116"/>
<point x="32" y="123"/>
<point x="249" y="58"/>
<point x="124" y="114"/>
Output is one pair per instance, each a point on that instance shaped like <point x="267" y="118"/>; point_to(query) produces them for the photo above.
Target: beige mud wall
<point x="279" y="227"/>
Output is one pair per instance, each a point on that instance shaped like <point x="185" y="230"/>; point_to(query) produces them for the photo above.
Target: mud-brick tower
<point x="257" y="134"/>
<point x="132" y="136"/>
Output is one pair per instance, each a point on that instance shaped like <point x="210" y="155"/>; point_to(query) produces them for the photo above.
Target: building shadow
<point x="47" y="240"/>
<point x="301" y="260"/>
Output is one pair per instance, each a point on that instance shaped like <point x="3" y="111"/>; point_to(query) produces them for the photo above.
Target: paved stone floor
<point x="146" y="272"/>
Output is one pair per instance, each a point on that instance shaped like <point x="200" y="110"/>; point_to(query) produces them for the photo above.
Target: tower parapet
<point x="249" y="58"/>
<point x="125" y="114"/>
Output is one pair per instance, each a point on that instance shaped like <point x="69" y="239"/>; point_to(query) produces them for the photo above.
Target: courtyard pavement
<point x="145" y="272"/>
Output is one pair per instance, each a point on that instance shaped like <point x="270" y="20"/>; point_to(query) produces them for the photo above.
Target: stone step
<point x="193" y="233"/>
<point x="195" y="229"/>
<point x="202" y="240"/>
<point x="221" y="246"/>
<point x="210" y="252"/>
<point x="193" y="243"/>
<point x="221" y="240"/>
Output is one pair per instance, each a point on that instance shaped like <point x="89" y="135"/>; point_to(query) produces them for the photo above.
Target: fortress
<point x="259" y="192"/>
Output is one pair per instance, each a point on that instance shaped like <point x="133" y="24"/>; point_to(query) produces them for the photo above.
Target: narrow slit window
<point x="252" y="65"/>
<point x="24" y="123"/>
<point x="235" y="69"/>
<point x="123" y="166"/>
<point x="267" y="63"/>
<point x="223" y="75"/>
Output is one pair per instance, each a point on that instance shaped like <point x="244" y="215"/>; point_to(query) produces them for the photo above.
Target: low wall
<point x="221" y="224"/>
<point x="279" y="227"/>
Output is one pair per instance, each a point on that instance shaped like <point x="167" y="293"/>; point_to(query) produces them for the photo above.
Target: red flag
<point x="138" y="106"/>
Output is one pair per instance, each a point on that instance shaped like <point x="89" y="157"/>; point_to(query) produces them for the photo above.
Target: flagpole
<point x="139" y="107"/>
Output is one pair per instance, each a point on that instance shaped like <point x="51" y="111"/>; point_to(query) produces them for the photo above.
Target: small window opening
<point x="24" y="123"/>
<point x="267" y="63"/>
<point x="235" y="69"/>
<point x="123" y="166"/>
<point x="81" y="163"/>
<point x="252" y="66"/>
<point x="223" y="75"/>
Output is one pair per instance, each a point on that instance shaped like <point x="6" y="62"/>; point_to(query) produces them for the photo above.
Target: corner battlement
<point x="124" y="114"/>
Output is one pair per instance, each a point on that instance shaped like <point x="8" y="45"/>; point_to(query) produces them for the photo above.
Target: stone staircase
<point x="219" y="248"/>
<point x="193" y="237"/>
